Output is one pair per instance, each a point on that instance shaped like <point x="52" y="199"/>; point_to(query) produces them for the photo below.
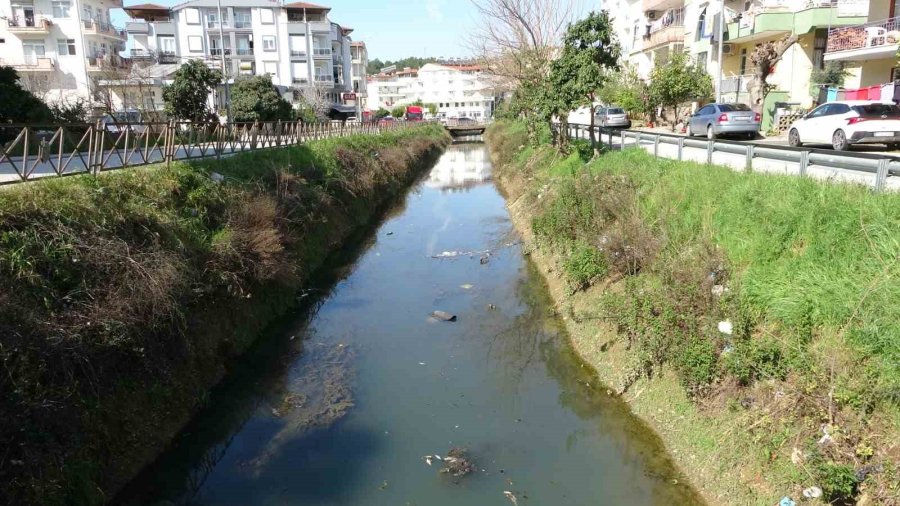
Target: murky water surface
<point x="342" y="406"/>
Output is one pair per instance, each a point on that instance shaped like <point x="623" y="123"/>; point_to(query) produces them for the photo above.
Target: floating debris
<point x="485" y="258"/>
<point x="443" y="316"/>
<point x="492" y="307"/>
<point x="454" y="254"/>
<point x="466" y="286"/>
<point x="786" y="501"/>
<point x="512" y="497"/>
<point x="390" y="233"/>
<point x="428" y="459"/>
<point x="456" y="463"/>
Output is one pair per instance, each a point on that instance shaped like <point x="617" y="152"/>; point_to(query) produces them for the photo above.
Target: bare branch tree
<point x="763" y="58"/>
<point x="315" y="96"/>
<point x="517" y="39"/>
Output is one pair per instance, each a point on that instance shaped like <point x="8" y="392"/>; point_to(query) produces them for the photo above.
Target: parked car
<point x="119" y="121"/>
<point x="387" y="120"/>
<point x="843" y="124"/>
<point x="715" y="119"/>
<point x="612" y="117"/>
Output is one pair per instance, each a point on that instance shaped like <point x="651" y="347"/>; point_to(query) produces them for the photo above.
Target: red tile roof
<point x="146" y="7"/>
<point x="305" y="5"/>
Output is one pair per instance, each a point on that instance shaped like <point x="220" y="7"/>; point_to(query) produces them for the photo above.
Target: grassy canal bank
<point x="123" y="298"/>
<point x="753" y="320"/>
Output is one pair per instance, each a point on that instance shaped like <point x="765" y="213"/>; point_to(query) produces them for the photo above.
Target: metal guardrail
<point x="869" y="163"/>
<point x="30" y="152"/>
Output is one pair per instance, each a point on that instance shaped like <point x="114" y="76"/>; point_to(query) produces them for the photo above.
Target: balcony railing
<point x="300" y="80"/>
<point x="325" y="79"/>
<point x="137" y="27"/>
<point x="875" y="34"/>
<point x="106" y="62"/>
<point x="214" y="51"/>
<point x="29" y="25"/>
<point x="92" y="27"/>
<point x="244" y="51"/>
<point x="242" y="24"/>
<point x="298" y="54"/>
<point x="321" y="51"/>
<point x="31" y="63"/>
<point x="667" y="29"/>
<point x="736" y="83"/>
<point x="141" y="54"/>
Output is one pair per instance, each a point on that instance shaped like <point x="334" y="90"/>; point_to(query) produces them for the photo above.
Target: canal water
<point x="342" y="406"/>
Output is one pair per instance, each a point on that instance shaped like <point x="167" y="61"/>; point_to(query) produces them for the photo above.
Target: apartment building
<point x="868" y="50"/>
<point x="457" y="89"/>
<point x="59" y="47"/>
<point x="359" y="57"/>
<point x="295" y="43"/>
<point x="652" y="29"/>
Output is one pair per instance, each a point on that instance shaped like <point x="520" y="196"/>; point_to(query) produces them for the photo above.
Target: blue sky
<point x="392" y="29"/>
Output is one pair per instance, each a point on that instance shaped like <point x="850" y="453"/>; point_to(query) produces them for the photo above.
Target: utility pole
<point x="222" y="51"/>
<point x="719" y="37"/>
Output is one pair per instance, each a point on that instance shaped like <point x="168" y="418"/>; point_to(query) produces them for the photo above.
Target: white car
<point x="842" y="124"/>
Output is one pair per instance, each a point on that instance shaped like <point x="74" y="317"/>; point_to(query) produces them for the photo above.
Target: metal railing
<point x="877" y="33"/>
<point x="870" y="164"/>
<point x="31" y="152"/>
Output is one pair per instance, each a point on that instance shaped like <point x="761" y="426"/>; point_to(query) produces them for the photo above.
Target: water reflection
<point x="464" y="166"/>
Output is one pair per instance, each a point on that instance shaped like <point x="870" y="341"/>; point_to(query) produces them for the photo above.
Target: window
<point x="167" y="45"/>
<point x="212" y="19"/>
<point x="266" y="16"/>
<point x="834" y="109"/>
<point x="706" y="110"/>
<point x="701" y="25"/>
<point x="65" y="47"/>
<point x="195" y="43"/>
<point x="743" y="61"/>
<point x="271" y="68"/>
<point x="702" y="60"/>
<point x="268" y="43"/>
<point x="61" y="8"/>
<point x="733" y="107"/>
<point x="192" y="16"/>
<point x="818" y="111"/>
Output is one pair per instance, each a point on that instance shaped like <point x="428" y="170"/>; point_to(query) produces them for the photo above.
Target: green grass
<point x="810" y="269"/>
<point x="122" y="296"/>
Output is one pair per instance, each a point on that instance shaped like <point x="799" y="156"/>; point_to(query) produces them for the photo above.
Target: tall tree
<point x="625" y="89"/>
<point x="589" y="52"/>
<point x="256" y="99"/>
<point x="763" y="58"/>
<point x="677" y="81"/>
<point x="186" y="98"/>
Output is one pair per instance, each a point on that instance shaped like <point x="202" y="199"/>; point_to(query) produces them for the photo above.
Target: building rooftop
<point x="307" y="6"/>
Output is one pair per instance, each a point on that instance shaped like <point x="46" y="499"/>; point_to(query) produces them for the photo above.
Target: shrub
<point x="584" y="265"/>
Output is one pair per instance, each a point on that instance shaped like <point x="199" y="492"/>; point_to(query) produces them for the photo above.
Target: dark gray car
<point x="713" y="120"/>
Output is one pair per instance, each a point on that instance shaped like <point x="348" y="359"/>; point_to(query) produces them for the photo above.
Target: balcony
<point x="33" y="26"/>
<point x="109" y="63"/>
<point x="300" y="80"/>
<point x="214" y="51"/>
<point x="320" y="26"/>
<point x="774" y="18"/>
<point x="298" y="55"/>
<point x="321" y="52"/>
<point x="870" y="41"/>
<point x="141" y="54"/>
<point x="669" y="28"/>
<point x="31" y="64"/>
<point x="137" y="27"/>
<point x="92" y="27"/>
<point x="325" y="78"/>
<point x="243" y="51"/>
<point x="661" y="5"/>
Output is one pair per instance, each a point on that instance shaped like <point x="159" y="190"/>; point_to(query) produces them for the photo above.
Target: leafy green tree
<point x="375" y="65"/>
<point x="186" y="98"/>
<point x="18" y="105"/>
<point x="398" y="111"/>
<point x="381" y="112"/>
<point x="256" y="99"/>
<point x="432" y="108"/>
<point x="625" y="89"/>
<point x="69" y="112"/>
<point x="589" y="51"/>
<point x="677" y="81"/>
<point x="833" y="74"/>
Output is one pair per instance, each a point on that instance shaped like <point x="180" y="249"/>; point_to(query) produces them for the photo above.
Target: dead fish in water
<point x="512" y="497"/>
<point x="443" y="316"/>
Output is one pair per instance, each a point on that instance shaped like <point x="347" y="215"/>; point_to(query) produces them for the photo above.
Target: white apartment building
<point x="59" y="47"/>
<point x="458" y="90"/>
<point x="295" y="43"/>
<point x="359" y="57"/>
